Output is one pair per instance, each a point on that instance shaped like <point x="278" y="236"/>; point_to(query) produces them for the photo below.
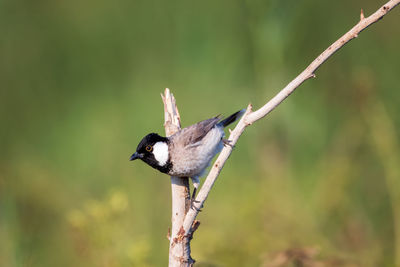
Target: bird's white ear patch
<point x="160" y="152"/>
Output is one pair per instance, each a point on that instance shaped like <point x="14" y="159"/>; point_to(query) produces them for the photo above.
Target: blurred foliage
<point x="317" y="181"/>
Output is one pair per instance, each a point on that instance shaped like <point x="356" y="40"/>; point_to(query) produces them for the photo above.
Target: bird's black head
<point x="153" y="149"/>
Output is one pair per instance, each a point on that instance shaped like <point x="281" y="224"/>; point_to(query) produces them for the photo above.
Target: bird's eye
<point x="149" y="148"/>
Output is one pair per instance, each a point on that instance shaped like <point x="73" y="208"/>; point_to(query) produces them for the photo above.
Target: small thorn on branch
<point x="248" y="112"/>
<point x="250" y="107"/>
<point x="362" y="15"/>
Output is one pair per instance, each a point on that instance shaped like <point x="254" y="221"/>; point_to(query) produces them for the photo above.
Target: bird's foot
<point x="227" y="142"/>
<point x="192" y="201"/>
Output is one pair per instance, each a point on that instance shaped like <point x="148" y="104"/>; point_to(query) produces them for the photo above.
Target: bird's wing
<point x="192" y="135"/>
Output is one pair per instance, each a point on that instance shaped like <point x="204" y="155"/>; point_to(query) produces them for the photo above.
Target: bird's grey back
<point x="194" y="133"/>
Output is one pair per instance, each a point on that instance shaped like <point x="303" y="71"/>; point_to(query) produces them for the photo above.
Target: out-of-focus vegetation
<point x="316" y="182"/>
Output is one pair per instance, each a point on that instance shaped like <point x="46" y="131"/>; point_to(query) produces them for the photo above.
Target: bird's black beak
<point x="136" y="156"/>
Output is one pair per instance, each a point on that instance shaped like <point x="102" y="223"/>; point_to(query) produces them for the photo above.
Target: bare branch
<point x="251" y="117"/>
<point x="184" y="226"/>
<point x="172" y="119"/>
<point x="179" y="249"/>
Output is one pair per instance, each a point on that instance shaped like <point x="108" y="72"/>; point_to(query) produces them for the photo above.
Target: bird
<point x="188" y="152"/>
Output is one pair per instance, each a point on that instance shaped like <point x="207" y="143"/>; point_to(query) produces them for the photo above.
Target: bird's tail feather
<point x="235" y="116"/>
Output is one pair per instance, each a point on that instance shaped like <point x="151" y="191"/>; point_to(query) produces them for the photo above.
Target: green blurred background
<point x="316" y="182"/>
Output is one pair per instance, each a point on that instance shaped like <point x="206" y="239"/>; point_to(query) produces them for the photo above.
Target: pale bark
<point x="181" y="234"/>
<point x="179" y="249"/>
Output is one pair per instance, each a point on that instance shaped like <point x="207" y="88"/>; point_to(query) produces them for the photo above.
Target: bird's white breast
<point x="160" y="152"/>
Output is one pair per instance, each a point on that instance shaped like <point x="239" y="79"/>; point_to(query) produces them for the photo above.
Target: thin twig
<point x="251" y="117"/>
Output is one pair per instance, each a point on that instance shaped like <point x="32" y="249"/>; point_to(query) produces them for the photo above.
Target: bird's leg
<point x="194" y="193"/>
<point x="196" y="183"/>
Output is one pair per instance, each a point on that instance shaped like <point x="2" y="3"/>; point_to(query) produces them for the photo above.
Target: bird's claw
<point x="192" y="201"/>
<point x="227" y="142"/>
